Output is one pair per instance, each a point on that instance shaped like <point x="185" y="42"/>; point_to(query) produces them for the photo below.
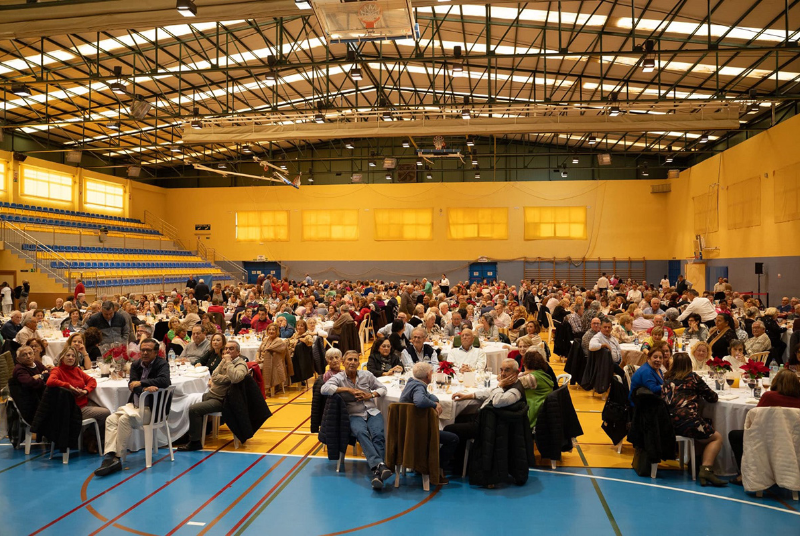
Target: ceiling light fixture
<point x="406" y="145"/>
<point x="575" y="160"/>
<point x="246" y="149"/>
<point x="465" y="114"/>
<point x="703" y="138"/>
<point x="113" y="125"/>
<point x="222" y="166"/>
<point x="477" y="174"/>
<point x="669" y="159"/>
<point x="428" y="176"/>
<point x="388" y="176"/>
<point x="196" y="122"/>
<point x="176" y="149"/>
<point x="349" y="145"/>
<point x="319" y="118"/>
<point x="302" y="4"/>
<point x="186" y="8"/>
<point x="387" y="116"/>
<point x="372" y="163"/>
<point x="355" y="73"/>
<point x="420" y="162"/>
<point x="648" y="59"/>
<point x="117" y="86"/>
<point x="458" y="65"/>
<point x="470" y="142"/>
<point x="21" y="90"/>
<point x="592" y="139"/>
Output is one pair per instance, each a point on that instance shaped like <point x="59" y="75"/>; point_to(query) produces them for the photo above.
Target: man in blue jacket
<point x="416" y="392"/>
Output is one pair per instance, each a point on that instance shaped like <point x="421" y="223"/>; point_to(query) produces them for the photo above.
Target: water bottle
<point x="773" y="369"/>
<point x="171" y="357"/>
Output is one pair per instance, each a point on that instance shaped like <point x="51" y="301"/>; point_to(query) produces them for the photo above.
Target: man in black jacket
<point x="150" y="373"/>
<point x="201" y="291"/>
<point x="191" y="283"/>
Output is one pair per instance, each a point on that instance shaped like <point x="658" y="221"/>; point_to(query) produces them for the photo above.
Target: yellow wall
<point x="623" y="219"/>
<point x="759" y="156"/>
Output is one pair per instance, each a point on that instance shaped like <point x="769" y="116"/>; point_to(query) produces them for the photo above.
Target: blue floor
<point x="233" y="493"/>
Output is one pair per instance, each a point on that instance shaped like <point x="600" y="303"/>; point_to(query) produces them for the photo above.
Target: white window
<point x="104" y="194"/>
<point x="46" y="184"/>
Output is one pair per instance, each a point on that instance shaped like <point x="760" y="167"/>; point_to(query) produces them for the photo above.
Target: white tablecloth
<point x="112" y="394"/>
<point x="495" y="353"/>
<point x="248" y="349"/>
<point x="55" y="345"/>
<point x="786" y="338"/>
<point x="450" y="409"/>
<point x="727" y="415"/>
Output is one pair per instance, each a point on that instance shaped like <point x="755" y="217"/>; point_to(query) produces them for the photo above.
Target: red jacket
<point x="64" y="376"/>
<point x="79" y="289"/>
<point x="258" y="325"/>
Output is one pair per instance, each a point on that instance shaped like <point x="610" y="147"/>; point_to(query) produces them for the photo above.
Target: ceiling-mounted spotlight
<point x="470" y="142"/>
<point x="117" y="86"/>
<point x="349" y="145"/>
<point x="614" y="111"/>
<point x="302" y="4"/>
<point x="645" y="171"/>
<point x="465" y="114"/>
<point x="458" y="65"/>
<point x="319" y="118"/>
<point x="592" y="139"/>
<point x="372" y="163"/>
<point x="222" y="165"/>
<point x="21" y="90"/>
<point x="753" y="108"/>
<point x="420" y="162"/>
<point x="406" y="145"/>
<point x="387" y="116"/>
<point x="246" y="149"/>
<point x="271" y="77"/>
<point x="186" y="8"/>
<point x="113" y="125"/>
<point x="649" y="65"/>
<point x="575" y="160"/>
<point x="669" y="159"/>
<point x="388" y="176"/>
<point x="478" y="174"/>
<point x="428" y="175"/>
<point x="196" y="122"/>
<point x="283" y="166"/>
<point x="564" y="173"/>
<point x="703" y="138"/>
<point x="474" y="160"/>
<point x="648" y="60"/>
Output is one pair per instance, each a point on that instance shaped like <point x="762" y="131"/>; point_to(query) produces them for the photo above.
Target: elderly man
<point x="230" y="371"/>
<point x="634" y="295"/>
<point x="386" y="330"/>
<point x="701" y="306"/>
<point x="416" y="392"/>
<point x="467" y="357"/>
<point x="59" y="308"/>
<point x="594" y="329"/>
<point x="640" y="323"/>
<point x="785" y="307"/>
<point x="501" y="318"/>
<point x="456" y="325"/>
<point x="759" y="342"/>
<point x="595" y="310"/>
<point x="29" y="313"/>
<point x="406" y="302"/>
<point x="113" y="325"/>
<point x="360" y="389"/>
<point x="149" y="373"/>
<point x="201" y="291"/>
<point x="509" y="391"/>
<point x="28" y="331"/>
<point x="444" y="312"/>
<point x="198" y="346"/>
<point x="12" y="327"/>
<point x="655" y="308"/>
<point x="80" y="301"/>
<point x="418" y="351"/>
<point x="603" y="339"/>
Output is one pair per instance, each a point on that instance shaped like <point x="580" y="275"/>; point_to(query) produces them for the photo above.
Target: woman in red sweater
<point x="69" y="375"/>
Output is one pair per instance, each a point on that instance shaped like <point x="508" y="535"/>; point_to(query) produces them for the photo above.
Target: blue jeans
<point x="369" y="433"/>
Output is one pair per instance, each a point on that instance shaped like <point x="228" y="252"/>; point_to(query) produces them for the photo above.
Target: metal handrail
<point x="24" y="237"/>
<point x="164" y="227"/>
<point x="233" y="270"/>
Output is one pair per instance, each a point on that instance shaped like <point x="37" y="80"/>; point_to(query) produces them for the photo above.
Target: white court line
<point x="668" y="488"/>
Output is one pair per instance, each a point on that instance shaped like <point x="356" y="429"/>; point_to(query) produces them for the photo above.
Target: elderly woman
<point x="68" y="375"/>
<point x="537" y="382"/>
<point x="700" y="353"/>
<point x="31" y="378"/>
<point x="671" y="321"/>
<point x="383" y="361"/>
<point x="300" y="335"/>
<point x="683" y="389"/>
<point x="648" y="375"/>
<point x="623" y="331"/>
<point x="72" y="322"/>
<point x="430" y="325"/>
<point x="697" y="329"/>
<point x="314" y="329"/>
<point x="486" y="328"/>
<point x="273" y="356"/>
<point x="333" y="357"/>
<point x="285" y="329"/>
<point x="179" y="340"/>
<point x="191" y="317"/>
<point x="721" y="335"/>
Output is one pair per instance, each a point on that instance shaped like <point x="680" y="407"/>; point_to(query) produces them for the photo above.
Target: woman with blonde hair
<point x="682" y="391"/>
<point x="274" y="359"/>
<point x="623" y="331"/>
<point x="430" y="325"/>
<point x="700" y="353"/>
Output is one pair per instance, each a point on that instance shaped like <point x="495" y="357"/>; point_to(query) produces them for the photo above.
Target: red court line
<point x="148" y="496"/>
<point x="86" y="502"/>
<point x="229" y="484"/>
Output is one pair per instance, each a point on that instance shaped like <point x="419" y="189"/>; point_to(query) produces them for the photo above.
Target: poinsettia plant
<point x="446" y="367"/>
<point x="244" y="331"/>
<point x="66" y="333"/>
<point x="754" y="369"/>
<point x="718" y="365"/>
<point x="116" y="354"/>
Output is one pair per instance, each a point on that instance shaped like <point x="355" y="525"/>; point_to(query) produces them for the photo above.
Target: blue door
<point x="256" y="268"/>
<point x="674" y="271"/>
<point x="478" y="271"/>
<point x="713" y="273"/>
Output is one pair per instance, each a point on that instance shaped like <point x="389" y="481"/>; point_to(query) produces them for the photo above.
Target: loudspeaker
<point x="759" y="268"/>
<point x="19" y="157"/>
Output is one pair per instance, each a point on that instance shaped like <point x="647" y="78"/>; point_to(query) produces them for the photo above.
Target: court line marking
<point x="600" y="495"/>
<point x="701" y="493"/>
<point x="23" y="462"/>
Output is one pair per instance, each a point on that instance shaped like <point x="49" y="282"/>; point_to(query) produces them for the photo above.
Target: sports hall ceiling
<point x="518" y="60"/>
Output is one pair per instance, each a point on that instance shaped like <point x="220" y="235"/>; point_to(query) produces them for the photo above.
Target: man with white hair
<point x="416" y="392"/>
<point x="12" y="327"/>
<point x="467" y="357"/>
<point x="444" y="312"/>
<point x="501" y="318"/>
<point x="418" y="351"/>
<point x="201" y="291"/>
<point x="29" y="313"/>
<point x="59" y="308"/>
<point x="640" y="323"/>
<point x="386" y="330"/>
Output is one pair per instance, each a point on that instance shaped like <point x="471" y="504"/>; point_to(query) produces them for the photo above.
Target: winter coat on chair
<point x="58" y="418"/>
<point x="651" y="427"/>
<point x="557" y="424"/>
<point x="334" y="431"/>
<point x="244" y="409"/>
<point x="576" y="361"/>
<point x="617" y="411"/>
<point x="563" y="338"/>
<point x="317" y="405"/>
<point x="599" y="371"/>
<point x="504" y="446"/>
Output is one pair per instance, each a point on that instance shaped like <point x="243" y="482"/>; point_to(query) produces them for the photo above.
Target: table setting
<point x="495" y="351"/>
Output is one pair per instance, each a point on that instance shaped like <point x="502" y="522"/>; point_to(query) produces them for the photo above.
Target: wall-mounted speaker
<point x="759" y="268"/>
<point x="20" y="157"/>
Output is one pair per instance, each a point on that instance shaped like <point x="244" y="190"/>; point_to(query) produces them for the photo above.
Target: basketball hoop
<point x="370" y="14"/>
<point x="438" y="142"/>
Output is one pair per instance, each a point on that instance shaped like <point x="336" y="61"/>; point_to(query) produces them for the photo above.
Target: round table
<point x="55" y="345"/>
<point x="727" y="415"/>
<point x="450" y="409"/>
<point x="112" y="394"/>
<point x="248" y="348"/>
<point x="632" y="355"/>
<point x="495" y="353"/>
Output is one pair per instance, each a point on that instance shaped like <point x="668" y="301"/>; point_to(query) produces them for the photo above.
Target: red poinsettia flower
<point x="446" y="367"/>
<point x="755" y="369"/>
<point x="66" y="333"/>
<point x="243" y="332"/>
<point x="718" y="365"/>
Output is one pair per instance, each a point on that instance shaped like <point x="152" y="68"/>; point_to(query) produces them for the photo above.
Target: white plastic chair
<point x="426" y="479"/>
<point x="216" y="416"/>
<point x="159" y="415"/>
<point x="551" y="328"/>
<point x="24" y="424"/>
<point x="683" y="442"/>
<point x="566" y="377"/>
<point x="84" y="424"/>
<point x="467" y="448"/>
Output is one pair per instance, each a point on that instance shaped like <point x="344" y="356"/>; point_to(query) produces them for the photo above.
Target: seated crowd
<point x="408" y="320"/>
